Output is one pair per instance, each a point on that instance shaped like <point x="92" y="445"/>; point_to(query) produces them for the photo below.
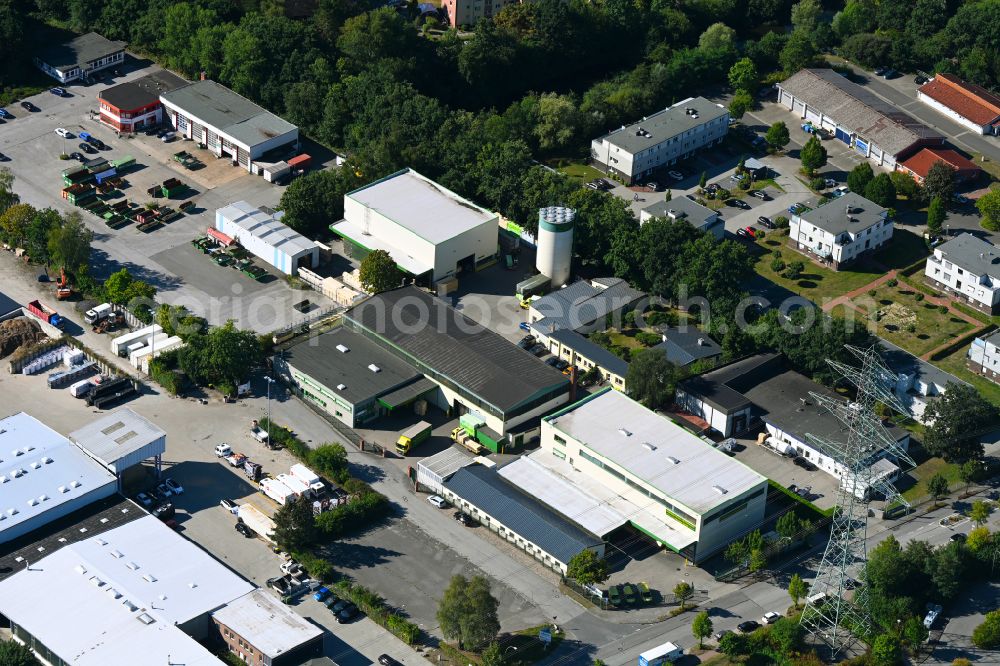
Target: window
<point x="559" y="440"/>
<point x="559" y="454"/>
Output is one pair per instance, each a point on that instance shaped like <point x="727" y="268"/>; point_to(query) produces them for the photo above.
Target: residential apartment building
<point x="469" y="12"/>
<point x="970" y="105"/>
<point x="983" y="357"/>
<point x="635" y="151"/>
<point x="80" y="57"/>
<point x="969" y="268"/>
<point x="841" y="231"/>
<point x="700" y="217"/>
<point x="855" y="115"/>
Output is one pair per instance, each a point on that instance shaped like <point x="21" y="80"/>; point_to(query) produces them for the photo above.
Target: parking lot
<point x="161" y="256"/>
<point x="823" y="487"/>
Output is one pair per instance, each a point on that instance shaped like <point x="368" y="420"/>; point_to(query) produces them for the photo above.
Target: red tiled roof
<point x="966" y="99"/>
<point x="921" y="163"/>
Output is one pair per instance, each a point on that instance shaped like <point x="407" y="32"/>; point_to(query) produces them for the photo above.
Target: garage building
<point x="121" y="441"/>
<point x="135" y="105"/>
<point x="429" y="231"/>
<point x="80" y="57"/>
<point x="229" y="124"/>
<point x="854" y="115"/>
<point x="262" y="233"/>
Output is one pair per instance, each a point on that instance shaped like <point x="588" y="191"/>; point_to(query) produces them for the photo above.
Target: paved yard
<point x="781" y="469"/>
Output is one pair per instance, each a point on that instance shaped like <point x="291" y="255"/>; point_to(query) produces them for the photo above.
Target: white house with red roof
<point x="973" y="106"/>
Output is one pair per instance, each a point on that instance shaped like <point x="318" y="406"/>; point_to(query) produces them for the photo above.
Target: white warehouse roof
<point x="267" y="228"/>
<point x="270" y="625"/>
<point x="420" y="205"/>
<point x="120" y="439"/>
<point x="109" y="598"/>
<point x="41" y="471"/>
<point x="655" y="450"/>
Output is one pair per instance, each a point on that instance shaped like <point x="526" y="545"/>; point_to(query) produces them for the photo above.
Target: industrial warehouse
<point x="264" y="234"/>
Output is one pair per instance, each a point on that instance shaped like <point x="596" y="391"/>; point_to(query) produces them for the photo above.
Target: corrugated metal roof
<point x="268" y="228"/>
<point x="120" y="439"/>
<point x="578" y="304"/>
<point x="529" y="518"/>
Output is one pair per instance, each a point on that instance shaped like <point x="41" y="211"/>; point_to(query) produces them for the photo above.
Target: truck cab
<point x="413" y="436"/>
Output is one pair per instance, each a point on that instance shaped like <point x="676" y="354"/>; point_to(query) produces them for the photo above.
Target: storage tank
<point x="555" y="243"/>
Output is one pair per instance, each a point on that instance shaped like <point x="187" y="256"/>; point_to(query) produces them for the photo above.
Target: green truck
<point x="476" y="427"/>
<point x="413" y="436"/>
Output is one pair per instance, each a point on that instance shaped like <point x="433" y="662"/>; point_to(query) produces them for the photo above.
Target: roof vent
<point x="17" y="452"/>
<point x="341" y="387"/>
<point x="80" y="569"/>
<point x="16" y="473"/>
<point x="720" y="490"/>
<point x="12" y="511"/>
<point x="3" y="478"/>
<point x="46" y="460"/>
<point x="36" y="465"/>
<point x="129" y="605"/>
<point x="343" y="349"/>
<point x="112" y="592"/>
<point x="374" y="368"/>
<point x="32" y="502"/>
<point x="74" y="484"/>
<point x="149" y="578"/>
<point x="28" y="448"/>
<point x="42" y="497"/>
<point x="624" y="432"/>
<point x="96" y="582"/>
<point x="145" y="618"/>
<point x="116" y="554"/>
<point x="132" y="565"/>
<point x="648" y="446"/>
<point x="192" y="585"/>
<point x="63" y="489"/>
<point x="673" y="460"/>
<point x="701" y="342"/>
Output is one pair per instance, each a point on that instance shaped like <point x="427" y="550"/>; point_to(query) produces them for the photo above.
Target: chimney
<point x="701" y="342"/>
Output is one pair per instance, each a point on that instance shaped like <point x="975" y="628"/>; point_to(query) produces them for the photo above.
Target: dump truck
<point x="459" y="436"/>
<point x="412" y="437"/>
<point x="46" y="314"/>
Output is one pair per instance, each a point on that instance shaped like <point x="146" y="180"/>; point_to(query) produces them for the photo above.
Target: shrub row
<point x="375" y="607"/>
<point x="366" y="508"/>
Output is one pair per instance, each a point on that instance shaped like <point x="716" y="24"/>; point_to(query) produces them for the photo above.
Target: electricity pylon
<point x="833" y="618"/>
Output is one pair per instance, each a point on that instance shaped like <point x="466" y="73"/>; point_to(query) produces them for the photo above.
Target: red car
<point x="751" y="232"/>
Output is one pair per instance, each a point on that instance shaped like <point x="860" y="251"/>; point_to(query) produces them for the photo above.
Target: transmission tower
<point x="832" y="618"/>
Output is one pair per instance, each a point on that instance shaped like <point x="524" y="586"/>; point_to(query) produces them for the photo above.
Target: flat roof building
<point x="266" y="236"/>
<point x="969" y="268"/>
<point x="583" y="306"/>
<point x="346" y="375"/>
<point x="229" y="124"/>
<point x="79" y="57"/>
<point x="841" y="231"/>
<point x="502" y="507"/>
<point x="634" y="151"/>
<point x="429" y="231"/>
<point x="43" y="477"/>
<point x="855" y="115"/>
<point x="700" y="217"/>
<point x="259" y="621"/>
<point x="705" y="498"/>
<point x="121" y="440"/>
<point x="474" y="368"/>
<point x="134" y="105"/>
<point x="973" y="106"/>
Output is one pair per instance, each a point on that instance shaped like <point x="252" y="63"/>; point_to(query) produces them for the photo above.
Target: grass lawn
<point x="816" y="283"/>
<point x="900" y="308"/>
<point x="581" y="173"/>
<point x="989" y="166"/>
<point x="906" y="249"/>
<point x="955" y="364"/>
<point x="761" y="183"/>
<point x="924" y="471"/>
<point x="624" y="340"/>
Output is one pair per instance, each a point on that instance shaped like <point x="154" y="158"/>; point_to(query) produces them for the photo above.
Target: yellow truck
<point x="413" y="436"/>
<point x="460" y="436"/>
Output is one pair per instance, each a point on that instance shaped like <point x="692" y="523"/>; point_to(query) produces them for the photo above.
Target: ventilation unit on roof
<point x="80" y="569"/>
<point x="673" y="460"/>
<point x="3" y="478"/>
<point x="341" y="387"/>
<point x="28" y="448"/>
<point x="36" y="465"/>
<point x="192" y="585"/>
<point x="648" y="446"/>
<point x="63" y="489"/>
<point x="46" y="460"/>
<point x="112" y="592"/>
<point x="116" y="554"/>
<point x="149" y="578"/>
<point x="74" y="484"/>
<point x="17" y="452"/>
<point x="374" y="368"/>
<point x="32" y="502"/>
<point x="96" y="582"/>
<point x="16" y="473"/>
<point x="129" y="605"/>
<point x="720" y="490"/>
<point x="12" y="511"/>
<point x="343" y="349"/>
<point x="132" y="565"/>
<point x="42" y="497"/>
<point x="145" y="618"/>
<point x="624" y="432"/>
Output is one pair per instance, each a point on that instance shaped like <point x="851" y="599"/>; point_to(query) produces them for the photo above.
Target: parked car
<point x="770" y="617"/>
<point x="604" y="184"/>
<point x="840" y="191"/>
<point x="614" y="595"/>
<point x="748" y="626"/>
<point x="751" y="232"/>
<point x="719" y="635"/>
<point x="524" y="326"/>
<point x="957" y="537"/>
<point x="386" y="660"/>
<point x="77" y="156"/>
<point x="628" y="592"/>
<point x="592" y="185"/>
<point x="144" y="499"/>
<point x="647" y="596"/>
<point x="765" y="222"/>
<point x="712" y="187"/>
<point x="830" y="182"/>
<point x="676" y="175"/>
<point x="164" y="490"/>
<point x="223" y="450"/>
<point x="229" y="505"/>
<point x="437" y="501"/>
<point x="538" y="349"/>
<point x="890" y="74"/>
<point x="653" y="185"/>
<point x="348" y="614"/>
<point x="177" y="488"/>
<point x="804" y="464"/>
<point x="87" y="148"/>
<point x="551" y="361"/>
<point x="321" y="594"/>
<point x="151" y="131"/>
<point x="6" y="115"/>
<point x="920" y="80"/>
<point x="339" y="606"/>
<point x="960" y="198"/>
<point x="561" y="364"/>
<point x="164" y="511"/>
<point x="761" y="194"/>
<point x="879" y="71"/>
<point x="796" y="208"/>
<point x="738" y="203"/>
<point x="64" y="133"/>
<point x="245" y="531"/>
<point x="462" y="518"/>
<point x="168" y="137"/>
<point x="526" y="344"/>
<point x="97" y="143"/>
<point x="28" y="106"/>
<point x="58" y="91"/>
<point x="567" y="370"/>
<point x="743" y="233"/>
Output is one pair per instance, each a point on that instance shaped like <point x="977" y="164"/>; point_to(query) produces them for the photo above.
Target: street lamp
<point x="269" y="382"/>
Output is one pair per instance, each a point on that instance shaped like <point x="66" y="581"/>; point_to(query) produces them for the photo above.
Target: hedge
<point x="800" y="500"/>
<point x="375" y="608"/>
<point x="366" y="508"/>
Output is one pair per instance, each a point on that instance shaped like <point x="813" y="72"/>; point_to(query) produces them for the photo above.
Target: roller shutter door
<point x="843" y="136"/>
<point x="812" y="116"/>
<point x="243" y="157"/>
<point x="800" y="108"/>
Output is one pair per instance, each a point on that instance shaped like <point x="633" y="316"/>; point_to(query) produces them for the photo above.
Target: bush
<point x="364" y="509"/>
<point x="871" y="292"/>
<point x="795" y="269"/>
<point x="892" y="282"/>
<point x="658" y="318"/>
<point x="918" y="297"/>
<point x="987" y="635"/>
<point x="647" y="339"/>
<point x="780" y="222"/>
<point x="911" y="328"/>
<point x="372" y="605"/>
<point x="317" y="567"/>
<point x="777" y="264"/>
<point x="817" y="184"/>
<point x="943" y="309"/>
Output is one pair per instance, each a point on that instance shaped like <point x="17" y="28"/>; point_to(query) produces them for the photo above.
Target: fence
<point x="21" y="359"/>
<point x="130" y="318"/>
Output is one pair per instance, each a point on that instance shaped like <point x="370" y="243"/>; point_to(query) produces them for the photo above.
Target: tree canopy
<point x="294" y="524"/>
<point x="777" y="135"/>
<point x="651" y="378"/>
<point x="587" y="568"/>
<point x="468" y="612"/>
<point x="957" y="422"/>
<point x="813" y="154"/>
<point x="378" y="272"/>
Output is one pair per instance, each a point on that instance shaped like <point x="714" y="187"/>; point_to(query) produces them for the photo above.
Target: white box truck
<point x="256" y="520"/>
<point x="98" y="313"/>
<point x="277" y="491"/>
<point x="667" y="653"/>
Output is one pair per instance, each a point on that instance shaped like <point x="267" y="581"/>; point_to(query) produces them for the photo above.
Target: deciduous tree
<point x="797" y="588"/>
<point x="468" y="612"/>
<point x="937" y="213"/>
<point x="957" y="422"/>
<point x="987" y="635"/>
<point x="940" y="181"/>
<point x="69" y="243"/>
<point x="294" y="524"/>
<point x="587" y="568"/>
<point x="378" y="272"/>
<point x="859" y="177"/>
<point x="741" y="102"/>
<point x="777" y="135"/>
<point x="683" y="591"/>
<point x="651" y="378"/>
<point x="743" y="75"/>
<point x="886" y="651"/>
<point x="979" y="513"/>
<point x="813" y="155"/>
<point x="937" y="486"/>
<point x="13" y="653"/>
<point x="881" y="191"/>
<point x="701" y="627"/>
<point x="989" y="208"/>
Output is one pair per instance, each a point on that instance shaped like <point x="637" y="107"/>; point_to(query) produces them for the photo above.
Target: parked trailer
<point x="110" y="400"/>
<point x="277" y="491"/>
<point x="109" y="388"/>
<point x="295" y="484"/>
<point x="143" y="335"/>
<point x="663" y="654"/>
<point x="70" y="375"/>
<point x="254" y="471"/>
<point x="81" y="388"/>
<point x="256" y="520"/>
<point x="46" y="314"/>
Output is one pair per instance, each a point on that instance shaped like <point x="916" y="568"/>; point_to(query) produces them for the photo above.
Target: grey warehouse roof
<point x="858" y="109"/>
<point x="319" y="357"/>
<point x="422" y="206"/>
<point x="665" y="124"/>
<point x="267" y="228"/>
<point x="79" y="51"/>
<point x="692" y="211"/>
<point x="449" y="344"/>
<point x="975" y="255"/>
<point x="270" y="625"/>
<point x="526" y="516"/>
<point x="687" y="345"/>
<point x="851" y="213"/>
<point x="142" y="91"/>
<point x="116" y="436"/>
<point x="576" y="305"/>
<point x="585" y="348"/>
<point x="230" y="113"/>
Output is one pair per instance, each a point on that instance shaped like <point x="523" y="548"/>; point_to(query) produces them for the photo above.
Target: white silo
<point x="555" y="243"/>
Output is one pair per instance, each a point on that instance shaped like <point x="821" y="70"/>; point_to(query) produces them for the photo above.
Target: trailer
<point x="254" y="471"/>
<point x="277" y="491"/>
<point x="295" y="484"/>
<point x="300" y="161"/>
<point x="46" y="314"/>
<point x="71" y="375"/>
<point x="110" y="391"/>
<point x="662" y="654"/>
<point x="256" y="520"/>
<point x="143" y="335"/>
<point x="81" y="388"/>
<point x="236" y="459"/>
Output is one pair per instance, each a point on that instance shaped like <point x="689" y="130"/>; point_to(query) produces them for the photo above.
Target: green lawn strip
<point x="624" y="340"/>
<point x="904" y="250"/>
<point x="816" y="283"/>
<point x="577" y="171"/>
<point x="924" y="471"/>
<point x="989" y="166"/>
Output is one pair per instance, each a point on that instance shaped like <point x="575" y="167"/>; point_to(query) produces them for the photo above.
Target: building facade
<point x="842" y="231"/>
<point x="135" y="105"/>
<point x="80" y="57"/>
<point x="983" y="357"/>
<point x="469" y="12"/>
<point x="967" y="104"/>
<point x="262" y="631"/>
<point x="635" y="151"/>
<point x="855" y="116"/>
<point x="968" y="268"/>
<point x="583" y="354"/>
<point x="584" y="306"/>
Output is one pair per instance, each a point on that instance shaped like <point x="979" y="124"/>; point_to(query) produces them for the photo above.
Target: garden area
<point x="630" y="338"/>
<point x="792" y="270"/>
<point x="577" y="171"/>
<point x="955" y="364"/>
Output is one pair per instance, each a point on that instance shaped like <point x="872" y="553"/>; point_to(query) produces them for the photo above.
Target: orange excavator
<point x="63" y="289"/>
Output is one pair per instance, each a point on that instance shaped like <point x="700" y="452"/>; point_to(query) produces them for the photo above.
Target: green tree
<point x="316" y="200"/>
<point x="468" y="612"/>
<point x="69" y="244"/>
<point x="492" y="655"/>
<point x="378" y="272"/>
<point x="881" y="191"/>
<point x="859" y="177"/>
<point x="798" y="52"/>
<point x="717" y="37"/>
<point x="787" y="634"/>
<point x="36" y="237"/>
<point x="970" y="471"/>
<point x="559" y="123"/>
<point x="13" y="653"/>
<point x="294" y="525"/>
<point x="587" y="568"/>
<point x="797" y="589"/>
<point x="788" y="525"/>
<point x="937" y="213"/>
<point x="957" y="421"/>
<point x="989" y="208"/>
<point x="7" y="196"/>
<point x="794" y="270"/>
<point x="777" y="135"/>
<point x="987" y="635"/>
<point x="758" y="560"/>
<point x="940" y="181"/>
<point x="914" y="633"/>
<point x="123" y="289"/>
<point x="743" y="75"/>
<point x="701" y="627"/>
<point x="683" y="591"/>
<point x="651" y="378"/>
<point x="14" y="223"/>
<point x="979" y="513"/>
<point x="937" y="486"/>
<point x="703" y="180"/>
<point x="886" y="651"/>
<point x="330" y="460"/>
<point x="978" y="539"/>
<point x="813" y="155"/>
<point x="741" y="102"/>
<point x="805" y="15"/>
